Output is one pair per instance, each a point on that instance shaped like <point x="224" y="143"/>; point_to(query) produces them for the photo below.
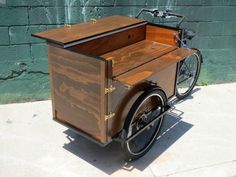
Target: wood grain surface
<point x="147" y="70"/>
<point x="123" y="99"/>
<point x="132" y="56"/>
<point x="165" y="79"/>
<point x="121" y="102"/>
<point x="78" y="88"/>
<point x="162" y="35"/>
<point x="112" y="42"/>
<point x="81" y="31"/>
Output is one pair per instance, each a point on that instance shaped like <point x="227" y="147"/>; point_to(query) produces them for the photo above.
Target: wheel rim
<point x="188" y="73"/>
<point x="150" y="108"/>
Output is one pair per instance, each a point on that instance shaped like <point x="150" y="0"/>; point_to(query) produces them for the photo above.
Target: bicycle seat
<point x="189" y="34"/>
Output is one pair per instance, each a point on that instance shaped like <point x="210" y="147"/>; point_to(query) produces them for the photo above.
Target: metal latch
<point x="109" y="89"/>
<point x="109" y="116"/>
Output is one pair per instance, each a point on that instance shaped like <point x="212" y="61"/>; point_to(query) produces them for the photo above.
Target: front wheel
<point x="189" y="70"/>
<point x="142" y="125"/>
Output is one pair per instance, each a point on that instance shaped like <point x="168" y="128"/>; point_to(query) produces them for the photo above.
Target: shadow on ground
<point x="110" y="159"/>
<point x="176" y="101"/>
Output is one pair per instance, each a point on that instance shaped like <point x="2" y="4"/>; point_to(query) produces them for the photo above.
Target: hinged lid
<point x="146" y="70"/>
<point x="69" y="34"/>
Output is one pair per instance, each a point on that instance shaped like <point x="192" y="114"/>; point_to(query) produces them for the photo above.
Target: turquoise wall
<point x="22" y="56"/>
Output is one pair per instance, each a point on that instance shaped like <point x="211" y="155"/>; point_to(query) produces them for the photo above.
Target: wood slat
<point x="147" y="70"/>
<point x="81" y="31"/>
<point x="132" y="56"/>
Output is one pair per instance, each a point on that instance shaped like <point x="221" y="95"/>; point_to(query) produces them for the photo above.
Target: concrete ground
<point x="198" y="139"/>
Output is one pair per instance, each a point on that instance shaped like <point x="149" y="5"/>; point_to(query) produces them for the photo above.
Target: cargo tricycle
<point x="112" y="78"/>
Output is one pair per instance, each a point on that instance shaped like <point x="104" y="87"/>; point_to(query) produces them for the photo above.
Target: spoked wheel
<point x="141" y="127"/>
<point x="188" y="74"/>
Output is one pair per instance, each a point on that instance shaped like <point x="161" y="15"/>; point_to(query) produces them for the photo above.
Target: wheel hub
<point x="142" y="121"/>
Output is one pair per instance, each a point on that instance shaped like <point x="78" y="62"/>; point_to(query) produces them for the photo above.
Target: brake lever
<point x="154" y="12"/>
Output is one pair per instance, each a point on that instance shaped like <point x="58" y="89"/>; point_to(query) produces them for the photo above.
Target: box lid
<point x="146" y="70"/>
<point x="84" y="31"/>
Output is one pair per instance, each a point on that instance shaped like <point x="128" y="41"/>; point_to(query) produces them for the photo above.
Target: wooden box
<point x="98" y="69"/>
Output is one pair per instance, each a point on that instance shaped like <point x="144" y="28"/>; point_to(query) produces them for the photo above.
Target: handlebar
<point x="163" y="14"/>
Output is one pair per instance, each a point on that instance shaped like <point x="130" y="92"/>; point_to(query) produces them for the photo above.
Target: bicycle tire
<point x="130" y="152"/>
<point x="198" y="57"/>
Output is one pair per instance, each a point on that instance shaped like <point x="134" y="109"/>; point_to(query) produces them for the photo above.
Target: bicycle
<point x="112" y="79"/>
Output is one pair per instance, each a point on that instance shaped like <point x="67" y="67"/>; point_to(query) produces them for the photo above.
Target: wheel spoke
<point x="188" y="75"/>
<point x="188" y="68"/>
<point x="144" y="127"/>
<point x="139" y="123"/>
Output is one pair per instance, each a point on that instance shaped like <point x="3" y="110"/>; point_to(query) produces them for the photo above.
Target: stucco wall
<point x="214" y="20"/>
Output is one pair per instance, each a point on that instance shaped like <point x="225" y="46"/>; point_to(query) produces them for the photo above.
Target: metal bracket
<point x="128" y="87"/>
<point x="93" y="20"/>
<point x="109" y="116"/>
<point x="109" y="89"/>
<point x="67" y="25"/>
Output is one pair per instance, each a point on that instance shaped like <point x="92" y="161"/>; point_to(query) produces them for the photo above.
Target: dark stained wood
<point x="166" y="79"/>
<point x="112" y="42"/>
<point x="132" y="56"/>
<point x="78" y="88"/>
<point x="121" y="101"/>
<point x="123" y="98"/>
<point x="52" y="87"/>
<point x="147" y="70"/>
<point x="162" y="35"/>
<point x="81" y="31"/>
<point x="109" y="100"/>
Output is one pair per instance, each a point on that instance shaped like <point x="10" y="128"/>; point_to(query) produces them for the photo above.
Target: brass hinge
<point x="109" y="116"/>
<point x="109" y="89"/>
<point x="128" y="87"/>
<point x="93" y="20"/>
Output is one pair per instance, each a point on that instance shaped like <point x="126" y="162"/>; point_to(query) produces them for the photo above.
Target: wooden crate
<point x="99" y="68"/>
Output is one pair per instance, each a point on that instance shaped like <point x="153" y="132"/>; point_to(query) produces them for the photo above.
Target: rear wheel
<point x="146" y="108"/>
<point x="189" y="70"/>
